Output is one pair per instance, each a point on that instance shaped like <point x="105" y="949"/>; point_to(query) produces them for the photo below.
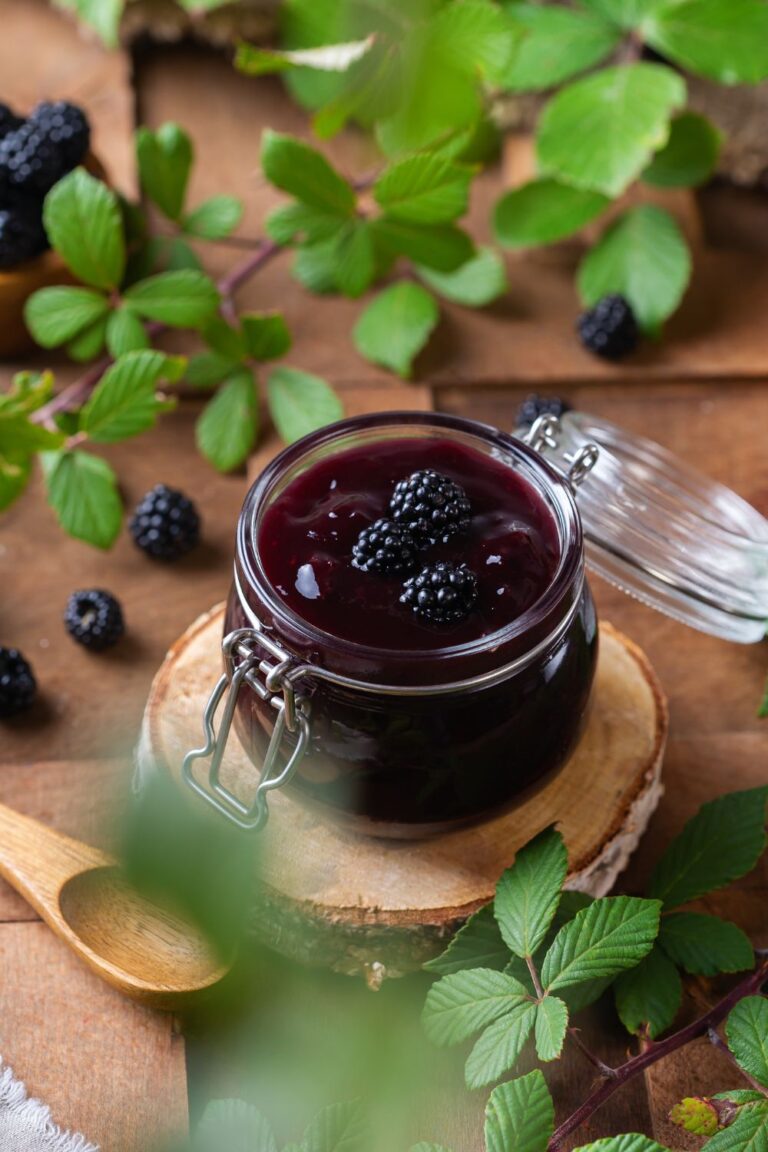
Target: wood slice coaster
<point x="378" y="907"/>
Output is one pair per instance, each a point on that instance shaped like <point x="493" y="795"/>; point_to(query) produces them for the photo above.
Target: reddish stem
<point x="747" y="987"/>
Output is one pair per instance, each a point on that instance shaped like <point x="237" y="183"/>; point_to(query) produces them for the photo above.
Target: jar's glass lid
<point x="663" y="532"/>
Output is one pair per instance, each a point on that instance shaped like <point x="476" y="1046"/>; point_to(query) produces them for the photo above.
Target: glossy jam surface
<point x="306" y="536"/>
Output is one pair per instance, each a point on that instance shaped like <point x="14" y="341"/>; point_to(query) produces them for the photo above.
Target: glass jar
<point x="413" y="743"/>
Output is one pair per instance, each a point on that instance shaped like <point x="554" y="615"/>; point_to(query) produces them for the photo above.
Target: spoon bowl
<point x="145" y="951"/>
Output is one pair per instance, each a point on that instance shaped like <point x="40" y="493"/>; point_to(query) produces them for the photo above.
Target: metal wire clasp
<point x="247" y="654"/>
<point x="543" y="434"/>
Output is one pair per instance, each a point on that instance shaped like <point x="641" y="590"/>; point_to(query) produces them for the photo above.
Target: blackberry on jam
<point x="385" y="547"/>
<point x="441" y="593"/>
<point x="17" y="683"/>
<point x="165" y="524"/>
<point x="94" y="619"/>
<point x="21" y="236"/>
<point x="534" y="406"/>
<point x="609" y="329"/>
<point x="432" y="507"/>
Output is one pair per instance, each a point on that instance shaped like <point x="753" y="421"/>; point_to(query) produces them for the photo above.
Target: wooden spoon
<point x="140" y="949"/>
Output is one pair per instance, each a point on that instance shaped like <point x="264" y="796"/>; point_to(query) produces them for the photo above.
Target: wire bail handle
<point x="246" y="661"/>
<point x="543" y="434"/>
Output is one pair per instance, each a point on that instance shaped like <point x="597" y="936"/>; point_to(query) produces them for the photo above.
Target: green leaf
<point x="649" y="995"/>
<point x="395" y="327"/>
<point x="696" y="1115"/>
<point x="234" y="1125"/>
<point x="705" y="945"/>
<point x="125" y="333"/>
<point x="82" y="490"/>
<point x="337" y="1128"/>
<point x="747" y="1032"/>
<point x="551" y="1026"/>
<point x="181" y="256"/>
<point x="544" y="211"/>
<point x="625" y="14"/>
<point x="103" y="16"/>
<point x="722" y="842"/>
<point x="747" y="1133"/>
<point x="227" y="428"/>
<point x="424" y="189"/>
<point x="28" y="392"/>
<point x="124" y="403"/>
<point x="461" y="1004"/>
<point x="472" y="36"/>
<point x="423" y="1146"/>
<point x="327" y="58"/>
<point x="520" y="1115"/>
<point x="690" y="155"/>
<point x="498" y="1048"/>
<point x="726" y="40"/>
<point x="477" y="945"/>
<point x="300" y="224"/>
<point x="300" y="403"/>
<point x="266" y="335"/>
<point x="612" y="934"/>
<point x="292" y="165"/>
<point x="165" y="161"/>
<point x="315" y="265"/>
<point x="528" y="893"/>
<point x="355" y="259"/>
<point x="440" y="246"/>
<point x="620" y="117"/>
<point x="84" y="224"/>
<point x="558" y="43"/>
<point x="476" y="283"/>
<point x="55" y="315"/>
<point x="208" y="369"/>
<point x="627" y="1142"/>
<point x="643" y="256"/>
<point x="183" y="299"/>
<point x="223" y="338"/>
<point x="88" y="343"/>
<point x="19" y="434"/>
<point x="214" y="218"/>
<point x="15" y="471"/>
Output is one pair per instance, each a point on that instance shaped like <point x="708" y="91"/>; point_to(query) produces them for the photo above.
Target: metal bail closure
<point x="543" y="435"/>
<point x="245" y="655"/>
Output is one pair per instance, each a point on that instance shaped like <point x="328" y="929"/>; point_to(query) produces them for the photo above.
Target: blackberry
<point x="385" y="547"/>
<point x="65" y="126"/>
<point x="9" y="122"/>
<point x="431" y="506"/>
<point x="610" y="328"/>
<point x="441" y="593"/>
<point x="17" y="682"/>
<point x="534" y="406"/>
<point x="21" y="237"/>
<point x="94" y="619"/>
<point x="165" y="524"/>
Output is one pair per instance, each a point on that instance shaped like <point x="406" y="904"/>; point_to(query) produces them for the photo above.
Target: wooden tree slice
<point x="382" y="907"/>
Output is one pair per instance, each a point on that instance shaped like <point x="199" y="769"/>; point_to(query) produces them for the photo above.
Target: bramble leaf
<point x="472" y="36"/>
<point x="442" y="247"/>
<point x="625" y="13"/>
<point x="165" y="161"/>
<point x="18" y="433"/>
<point x="528" y="893"/>
<point x="747" y="1032"/>
<point x="696" y="1115"/>
<point x="619" y="115"/>
<point x="558" y="43"/>
<point x="15" y="471"/>
<point x="395" y="327"/>
<point x="611" y="935"/>
<point x="209" y="369"/>
<point x="689" y="156"/>
<point x="88" y="343"/>
<point x="235" y="1125"/>
<point x="82" y="490"/>
<point x="476" y="283"/>
<point x="303" y="172"/>
<point x="726" y="40"/>
<point x="722" y="842"/>
<point x="520" y="1115"/>
<point x="300" y="403"/>
<point x="124" y="402"/>
<point x="103" y="16"/>
<point x="747" y="1133"/>
<point x="57" y="314"/>
<point x="544" y="211"/>
<point x="644" y="257"/>
<point x="461" y="1004"/>
<point x="84" y="224"/>
<point x="477" y="945"/>
<point x="705" y="945"/>
<point x="550" y="1029"/>
<point x="498" y="1048"/>
<point x="315" y="265"/>
<point x="256" y="61"/>
<point x="125" y="333"/>
<point x="266" y="335"/>
<point x="226" y="429"/>
<point x="424" y="189"/>
<point x="214" y="218"/>
<point x="299" y="223"/>
<point x="355" y="258"/>
<point x="185" y="299"/>
<point x="627" y="1142"/>
<point x="649" y="995"/>
<point x="337" y="1128"/>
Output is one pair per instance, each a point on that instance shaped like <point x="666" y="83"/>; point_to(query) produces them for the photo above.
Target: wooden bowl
<point x="17" y="285"/>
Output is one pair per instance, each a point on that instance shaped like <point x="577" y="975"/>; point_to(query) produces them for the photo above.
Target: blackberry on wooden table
<point x="17" y="683"/>
<point x="94" y="619"/>
<point x="165" y="524"/>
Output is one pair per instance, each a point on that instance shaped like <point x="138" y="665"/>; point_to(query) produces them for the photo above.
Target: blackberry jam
<point x="413" y="727"/>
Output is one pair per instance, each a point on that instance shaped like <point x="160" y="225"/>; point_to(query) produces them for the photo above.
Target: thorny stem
<point x="747" y="987"/>
<point x="535" y="977"/>
<point x="604" y="1069"/>
<point x="717" y="1041"/>
<point x="78" y="392"/>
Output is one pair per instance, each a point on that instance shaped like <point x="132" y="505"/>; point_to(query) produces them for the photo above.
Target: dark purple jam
<point x="307" y="534"/>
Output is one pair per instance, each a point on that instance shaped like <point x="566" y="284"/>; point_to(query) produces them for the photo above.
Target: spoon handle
<point x="37" y="861"/>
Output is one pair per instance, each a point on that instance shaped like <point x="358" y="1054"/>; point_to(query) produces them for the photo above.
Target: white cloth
<point x="26" y="1125"/>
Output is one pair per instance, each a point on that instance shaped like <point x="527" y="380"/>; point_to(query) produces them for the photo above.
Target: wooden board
<point x="357" y="903"/>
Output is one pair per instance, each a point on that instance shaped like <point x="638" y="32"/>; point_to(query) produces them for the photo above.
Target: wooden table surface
<point x="114" y="1070"/>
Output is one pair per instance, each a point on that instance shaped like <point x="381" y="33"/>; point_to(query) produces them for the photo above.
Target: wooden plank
<point x="106" y="1067"/>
